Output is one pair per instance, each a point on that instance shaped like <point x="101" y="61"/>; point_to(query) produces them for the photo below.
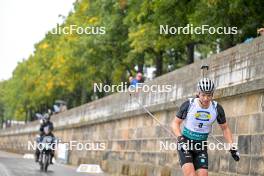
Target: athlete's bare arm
<point x="227" y="133"/>
<point x="176" y="126"/>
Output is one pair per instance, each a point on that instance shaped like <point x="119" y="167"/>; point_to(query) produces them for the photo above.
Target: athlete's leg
<point x="188" y="169"/>
<point x="202" y="172"/>
<point x="200" y="160"/>
<point x="186" y="162"/>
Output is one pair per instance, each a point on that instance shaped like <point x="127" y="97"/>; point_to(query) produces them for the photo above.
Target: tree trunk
<point x="129" y="70"/>
<point x="83" y="94"/>
<point x="190" y="53"/>
<point x="141" y="63"/>
<point x="2" y="121"/>
<point x="31" y="115"/>
<point x="159" y="63"/>
<point x="27" y="116"/>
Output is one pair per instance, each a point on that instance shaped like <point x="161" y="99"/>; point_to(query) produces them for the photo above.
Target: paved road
<point x="16" y="165"/>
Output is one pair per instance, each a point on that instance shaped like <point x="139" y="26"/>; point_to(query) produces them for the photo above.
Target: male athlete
<point x="198" y="115"/>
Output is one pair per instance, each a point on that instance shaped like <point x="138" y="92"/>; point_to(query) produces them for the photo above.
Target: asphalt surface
<point x="15" y="165"/>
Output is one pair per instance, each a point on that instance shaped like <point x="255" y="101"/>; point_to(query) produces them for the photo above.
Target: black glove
<point x="235" y="154"/>
<point x="181" y="139"/>
<point x="182" y="143"/>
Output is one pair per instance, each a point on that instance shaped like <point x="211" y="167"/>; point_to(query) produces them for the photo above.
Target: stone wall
<point x="133" y="138"/>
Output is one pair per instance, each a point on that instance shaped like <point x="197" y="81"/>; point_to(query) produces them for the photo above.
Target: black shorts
<point x="199" y="158"/>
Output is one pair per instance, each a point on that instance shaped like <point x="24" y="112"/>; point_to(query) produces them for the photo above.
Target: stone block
<point x="243" y="165"/>
<point x="244" y="144"/>
<point x="162" y="159"/>
<point x="257" y="144"/>
<point x="125" y="169"/>
<point x="139" y="132"/>
<point x="105" y="155"/>
<point x="125" y="134"/>
<point x="165" y="171"/>
<point x="232" y="124"/>
<point x="243" y="125"/>
<point x="119" y="145"/>
<point x="134" y="145"/>
<point x="256" y="123"/>
<point x="141" y="170"/>
<point x="214" y="163"/>
<point x="131" y="133"/>
<point x="130" y="156"/>
<point x="151" y="145"/>
<point x="256" y="166"/>
<point x="143" y="145"/>
<point x="160" y="132"/>
<point x="232" y="165"/>
<point x="151" y="170"/>
<point x="224" y="163"/>
<point x="148" y="157"/>
<point x="109" y="145"/>
<point x="176" y="172"/>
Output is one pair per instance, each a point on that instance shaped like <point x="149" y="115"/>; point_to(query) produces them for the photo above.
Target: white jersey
<point x="198" y="121"/>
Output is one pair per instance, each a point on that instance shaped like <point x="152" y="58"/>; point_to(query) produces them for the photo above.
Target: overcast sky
<point x="24" y="23"/>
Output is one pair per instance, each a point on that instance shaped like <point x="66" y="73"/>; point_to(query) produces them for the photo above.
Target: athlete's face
<point x="205" y="98"/>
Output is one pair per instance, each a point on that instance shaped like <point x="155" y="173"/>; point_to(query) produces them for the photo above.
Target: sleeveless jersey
<point x="198" y="121"/>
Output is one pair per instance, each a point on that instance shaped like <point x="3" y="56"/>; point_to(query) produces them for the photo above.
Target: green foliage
<point x="65" y="66"/>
